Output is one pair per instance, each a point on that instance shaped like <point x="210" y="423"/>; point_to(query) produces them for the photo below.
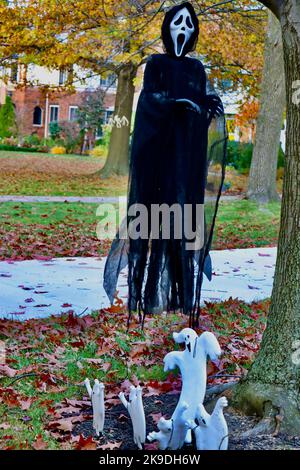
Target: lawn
<point x="39" y="174"/>
<point x="245" y="224"/>
<point x="33" y="230"/>
<point x="42" y="397"/>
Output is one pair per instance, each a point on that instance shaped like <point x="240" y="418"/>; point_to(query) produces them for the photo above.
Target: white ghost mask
<point x="181" y="29"/>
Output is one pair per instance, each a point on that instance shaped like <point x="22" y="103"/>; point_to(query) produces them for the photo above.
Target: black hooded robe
<point x="171" y="159"/>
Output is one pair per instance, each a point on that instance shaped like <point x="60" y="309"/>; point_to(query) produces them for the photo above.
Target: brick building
<point x="37" y="106"/>
<point x="36" y="109"/>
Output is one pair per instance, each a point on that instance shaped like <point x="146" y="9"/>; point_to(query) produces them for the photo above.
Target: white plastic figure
<point x="136" y="411"/>
<point x="192" y="363"/>
<point x="212" y="431"/>
<point x="165" y="427"/>
<point x="96" y="394"/>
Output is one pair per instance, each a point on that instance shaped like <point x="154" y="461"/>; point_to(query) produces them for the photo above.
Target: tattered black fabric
<point x="177" y="157"/>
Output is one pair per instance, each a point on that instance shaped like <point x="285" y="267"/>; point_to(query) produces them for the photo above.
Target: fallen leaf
<point x="39" y="444"/>
<point x="110" y="446"/>
<point x="86" y="443"/>
<point x="6" y="371"/>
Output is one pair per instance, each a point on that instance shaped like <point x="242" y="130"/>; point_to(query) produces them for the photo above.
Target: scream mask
<point x="180" y="30"/>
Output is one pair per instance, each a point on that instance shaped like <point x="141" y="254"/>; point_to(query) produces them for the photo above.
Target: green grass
<point x="244" y="224"/>
<point x="29" y="230"/>
<point x="45" y="213"/>
<point x="70" y="156"/>
<point x="30" y="174"/>
<point x="233" y="214"/>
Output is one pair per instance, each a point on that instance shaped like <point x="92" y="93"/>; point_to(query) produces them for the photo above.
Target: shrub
<point x="32" y="140"/>
<point x="13" y="141"/>
<point x="47" y="143"/>
<point x="70" y="136"/>
<point x="8" y="126"/>
<point x="105" y="138"/>
<point x="281" y="156"/>
<point x="239" y="155"/>
<point x="15" y="148"/>
<point x="99" y="151"/>
<point x="58" y="150"/>
<point x="54" y="129"/>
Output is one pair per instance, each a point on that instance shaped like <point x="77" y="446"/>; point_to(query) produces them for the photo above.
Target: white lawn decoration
<point x="192" y="363"/>
<point x="96" y="394"/>
<point x="136" y="411"/>
<point x="212" y="431"/>
<point x="163" y="436"/>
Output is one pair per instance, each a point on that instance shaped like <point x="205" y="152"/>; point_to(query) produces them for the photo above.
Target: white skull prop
<point x="181" y="28"/>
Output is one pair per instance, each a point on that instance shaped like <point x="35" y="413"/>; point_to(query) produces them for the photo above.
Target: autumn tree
<point x="272" y="385"/>
<point x="90" y="115"/>
<point x="263" y="171"/>
<point x="117" y="36"/>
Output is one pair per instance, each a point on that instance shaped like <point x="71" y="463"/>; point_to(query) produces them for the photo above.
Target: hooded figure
<point x="177" y="164"/>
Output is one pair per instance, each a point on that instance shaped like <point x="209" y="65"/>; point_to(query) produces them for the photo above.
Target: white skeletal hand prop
<point x="172" y="432"/>
<point x="96" y="394"/>
<point x="136" y="411"/>
<point x="212" y="431"/>
<point x="192" y="363"/>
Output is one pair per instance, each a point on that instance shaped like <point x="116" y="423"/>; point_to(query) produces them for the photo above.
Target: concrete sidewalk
<point x="83" y="199"/>
<point x="37" y="289"/>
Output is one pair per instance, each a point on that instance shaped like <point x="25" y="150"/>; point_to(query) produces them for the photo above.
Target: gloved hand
<point x="214" y="106"/>
<point x="188" y="104"/>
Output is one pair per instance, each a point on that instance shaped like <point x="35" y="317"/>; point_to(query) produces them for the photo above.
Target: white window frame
<point x="42" y="116"/>
<point x="107" y="83"/>
<point x="70" y="108"/>
<point x="62" y="77"/>
<point x="53" y="106"/>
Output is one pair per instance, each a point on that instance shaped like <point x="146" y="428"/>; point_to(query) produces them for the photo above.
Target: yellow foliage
<point x="58" y="150"/>
<point x="98" y="151"/>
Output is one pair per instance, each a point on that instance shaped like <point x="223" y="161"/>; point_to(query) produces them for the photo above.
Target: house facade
<point x="47" y="100"/>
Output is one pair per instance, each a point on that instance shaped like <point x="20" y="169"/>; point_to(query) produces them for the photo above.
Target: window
<point x="106" y="116"/>
<point x="14" y="73"/>
<point x="73" y="113"/>
<point x="109" y="81"/>
<point x="62" y="77"/>
<point x="37" y="116"/>
<point x="53" y="113"/>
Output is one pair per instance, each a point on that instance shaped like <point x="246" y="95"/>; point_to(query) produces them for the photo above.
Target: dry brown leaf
<point x="39" y="444"/>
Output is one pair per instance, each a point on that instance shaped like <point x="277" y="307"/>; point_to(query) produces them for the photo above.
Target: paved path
<point x="33" y="289"/>
<point x="84" y="199"/>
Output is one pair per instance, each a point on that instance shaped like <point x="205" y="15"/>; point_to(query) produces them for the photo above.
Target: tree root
<point x="278" y="407"/>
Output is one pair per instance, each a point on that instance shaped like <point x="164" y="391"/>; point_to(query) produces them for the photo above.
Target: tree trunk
<point x="273" y="382"/>
<point x="262" y="178"/>
<point x="117" y="161"/>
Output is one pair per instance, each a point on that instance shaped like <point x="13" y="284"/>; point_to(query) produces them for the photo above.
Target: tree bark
<point x="273" y="382"/>
<point x="263" y="171"/>
<point x="117" y="161"/>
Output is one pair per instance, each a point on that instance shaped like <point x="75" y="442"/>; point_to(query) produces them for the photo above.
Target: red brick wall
<point x="26" y="99"/>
